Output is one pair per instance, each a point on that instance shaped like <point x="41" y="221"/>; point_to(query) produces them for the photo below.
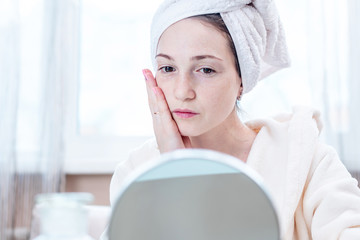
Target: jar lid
<point x="69" y="199"/>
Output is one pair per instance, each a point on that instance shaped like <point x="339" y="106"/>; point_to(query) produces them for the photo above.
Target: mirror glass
<point x="193" y="194"/>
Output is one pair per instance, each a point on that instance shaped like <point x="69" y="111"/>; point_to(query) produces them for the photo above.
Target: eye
<point x="167" y="69"/>
<point x="207" y="70"/>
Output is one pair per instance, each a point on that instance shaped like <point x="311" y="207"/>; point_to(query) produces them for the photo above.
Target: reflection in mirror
<point x="194" y="195"/>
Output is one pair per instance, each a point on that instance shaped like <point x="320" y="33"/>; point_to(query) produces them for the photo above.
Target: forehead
<point x="193" y="36"/>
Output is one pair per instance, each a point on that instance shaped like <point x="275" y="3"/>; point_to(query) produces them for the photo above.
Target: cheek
<point x="217" y="105"/>
<point x="224" y="95"/>
<point x="224" y="103"/>
<point x="163" y="82"/>
<point x="165" y="86"/>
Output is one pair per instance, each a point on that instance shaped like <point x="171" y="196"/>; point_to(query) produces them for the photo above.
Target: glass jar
<point x="63" y="216"/>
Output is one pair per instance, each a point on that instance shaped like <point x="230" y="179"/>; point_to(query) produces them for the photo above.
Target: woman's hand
<point x="166" y="130"/>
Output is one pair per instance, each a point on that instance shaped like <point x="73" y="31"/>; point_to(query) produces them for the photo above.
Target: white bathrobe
<point x="315" y="196"/>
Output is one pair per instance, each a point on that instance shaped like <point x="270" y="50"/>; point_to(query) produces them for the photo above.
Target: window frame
<point x="92" y="154"/>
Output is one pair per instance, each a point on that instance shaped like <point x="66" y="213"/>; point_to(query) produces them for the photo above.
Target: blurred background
<point x="73" y="100"/>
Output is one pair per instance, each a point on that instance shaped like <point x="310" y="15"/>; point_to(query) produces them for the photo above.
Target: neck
<point x="231" y="137"/>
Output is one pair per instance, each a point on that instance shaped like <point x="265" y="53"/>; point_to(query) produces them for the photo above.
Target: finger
<point x="157" y="101"/>
<point x="166" y="130"/>
<point x="150" y="84"/>
<point x="150" y="79"/>
<point x="161" y="107"/>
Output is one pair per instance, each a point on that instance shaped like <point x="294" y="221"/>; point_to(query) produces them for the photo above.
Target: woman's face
<point x="197" y="74"/>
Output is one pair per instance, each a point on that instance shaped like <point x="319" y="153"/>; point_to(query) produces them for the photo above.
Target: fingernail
<point x="144" y="73"/>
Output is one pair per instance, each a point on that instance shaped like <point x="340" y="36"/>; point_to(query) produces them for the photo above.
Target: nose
<point x="184" y="89"/>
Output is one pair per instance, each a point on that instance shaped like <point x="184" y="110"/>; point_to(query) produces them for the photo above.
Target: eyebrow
<point x="200" y="57"/>
<point x="164" y="56"/>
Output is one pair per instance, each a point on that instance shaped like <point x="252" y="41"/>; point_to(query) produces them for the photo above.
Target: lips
<point x="184" y="113"/>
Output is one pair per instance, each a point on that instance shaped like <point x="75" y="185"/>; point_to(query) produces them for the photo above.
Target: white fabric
<point x="254" y="26"/>
<point x="315" y="196"/>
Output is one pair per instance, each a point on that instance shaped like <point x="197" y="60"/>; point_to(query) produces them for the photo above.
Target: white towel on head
<point x="254" y="26"/>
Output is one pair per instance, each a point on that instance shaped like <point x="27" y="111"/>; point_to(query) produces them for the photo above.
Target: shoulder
<point x="300" y="117"/>
<point x="326" y="162"/>
<point x="331" y="199"/>
<point x="144" y="152"/>
<point x="291" y="135"/>
<point x="137" y="157"/>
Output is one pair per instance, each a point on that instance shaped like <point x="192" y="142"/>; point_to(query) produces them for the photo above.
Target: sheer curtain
<point x="334" y="55"/>
<point x="38" y="62"/>
<point x="9" y="81"/>
<point x="323" y="38"/>
<point x="351" y="140"/>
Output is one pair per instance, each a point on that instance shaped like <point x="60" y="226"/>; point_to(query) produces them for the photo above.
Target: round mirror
<point x="194" y="194"/>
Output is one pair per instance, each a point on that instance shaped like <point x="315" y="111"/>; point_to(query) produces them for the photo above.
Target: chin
<point x="190" y="132"/>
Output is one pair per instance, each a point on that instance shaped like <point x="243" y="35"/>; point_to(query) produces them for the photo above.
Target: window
<point x="114" y="49"/>
<point x="110" y="115"/>
<point x="108" y="108"/>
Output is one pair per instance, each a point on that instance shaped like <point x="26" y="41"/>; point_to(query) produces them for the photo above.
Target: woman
<point x="207" y="55"/>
